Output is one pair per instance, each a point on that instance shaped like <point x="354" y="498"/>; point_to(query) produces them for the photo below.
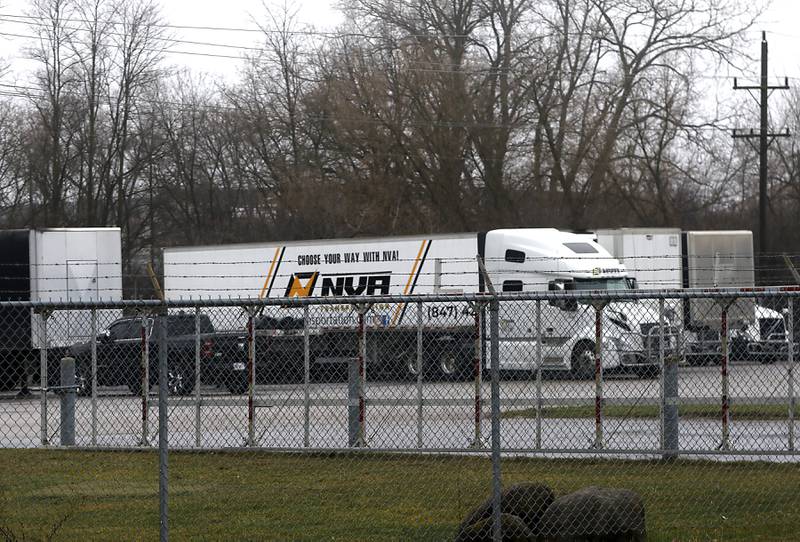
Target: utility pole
<point x="764" y="139"/>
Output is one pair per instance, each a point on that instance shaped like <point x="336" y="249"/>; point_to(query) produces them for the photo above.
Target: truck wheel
<point x="180" y="381"/>
<point x="453" y="366"/>
<point x="582" y="361"/>
<point x="408" y="366"/>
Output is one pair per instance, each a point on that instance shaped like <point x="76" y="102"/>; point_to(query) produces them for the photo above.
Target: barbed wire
<point x="599" y="260"/>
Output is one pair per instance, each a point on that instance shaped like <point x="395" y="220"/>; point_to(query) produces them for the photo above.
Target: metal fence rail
<point x="634" y="375"/>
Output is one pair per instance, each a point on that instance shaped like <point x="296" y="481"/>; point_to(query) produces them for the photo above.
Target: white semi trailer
<point x="668" y="258"/>
<point x="55" y="264"/>
<point x="517" y="260"/>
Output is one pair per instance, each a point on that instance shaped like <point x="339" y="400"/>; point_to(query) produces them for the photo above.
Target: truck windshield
<point x="598" y="284"/>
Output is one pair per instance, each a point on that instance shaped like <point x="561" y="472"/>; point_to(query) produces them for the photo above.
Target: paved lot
<point x="393" y="418"/>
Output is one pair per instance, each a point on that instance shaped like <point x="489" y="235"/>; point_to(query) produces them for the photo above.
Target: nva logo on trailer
<point x="303" y="284"/>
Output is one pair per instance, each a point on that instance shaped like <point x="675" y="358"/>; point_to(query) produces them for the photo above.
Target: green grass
<point x="260" y="496"/>
<point x="751" y="412"/>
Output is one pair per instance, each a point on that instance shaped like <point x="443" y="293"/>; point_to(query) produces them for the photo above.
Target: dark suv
<point x="120" y="352"/>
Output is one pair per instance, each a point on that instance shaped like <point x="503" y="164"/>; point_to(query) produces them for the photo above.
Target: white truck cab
<point x="533" y="260"/>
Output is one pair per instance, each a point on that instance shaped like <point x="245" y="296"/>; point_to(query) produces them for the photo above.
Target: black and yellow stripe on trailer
<point x="413" y="277"/>
<point x="274" y="266"/>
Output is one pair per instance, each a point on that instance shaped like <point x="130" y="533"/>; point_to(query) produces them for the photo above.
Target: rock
<point x="514" y="530"/>
<point x="526" y="501"/>
<point x="595" y="514"/>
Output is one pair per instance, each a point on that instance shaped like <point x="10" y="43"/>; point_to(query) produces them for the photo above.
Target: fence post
<point x="43" y="379"/>
<point x="598" y="375"/>
<point x="67" y="401"/>
<point x="419" y="374"/>
<point x="93" y="343"/>
<point x="494" y="331"/>
<point x="360" y="389"/>
<point x="163" y="474"/>
<point x="669" y="393"/>
<point x="538" y="374"/>
<point x="477" y="439"/>
<point x="251" y="381"/>
<point x="353" y="403"/>
<point x="790" y="373"/>
<point x="306" y="380"/>
<point x="145" y="378"/>
<point x="725" y="445"/>
<point x="197" y="422"/>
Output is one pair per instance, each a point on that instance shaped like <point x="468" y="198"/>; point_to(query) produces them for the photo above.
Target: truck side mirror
<point x="570" y="305"/>
<point x="148" y="327"/>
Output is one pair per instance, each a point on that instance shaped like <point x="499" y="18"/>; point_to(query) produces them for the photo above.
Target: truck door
<point x="564" y="322"/>
<point x="119" y="353"/>
<point x="517" y="323"/>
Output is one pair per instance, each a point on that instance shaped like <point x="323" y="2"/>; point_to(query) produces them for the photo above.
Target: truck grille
<point x="652" y="340"/>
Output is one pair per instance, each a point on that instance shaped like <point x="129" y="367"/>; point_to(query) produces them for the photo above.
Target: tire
<point x="702" y="360"/>
<point x="647" y="371"/>
<point x="407" y="366"/>
<point x="582" y="361"/>
<point x="737" y="349"/>
<point x="135" y="386"/>
<point x="237" y="383"/>
<point x="693" y="360"/>
<point x="180" y="380"/>
<point x="12" y="370"/>
<point x="768" y="358"/>
<point x="453" y="366"/>
<point x="83" y="378"/>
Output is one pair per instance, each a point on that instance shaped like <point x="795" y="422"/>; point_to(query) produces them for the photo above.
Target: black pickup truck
<point x="119" y="354"/>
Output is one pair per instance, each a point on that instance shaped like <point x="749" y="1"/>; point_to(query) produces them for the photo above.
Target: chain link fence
<point x="469" y="417"/>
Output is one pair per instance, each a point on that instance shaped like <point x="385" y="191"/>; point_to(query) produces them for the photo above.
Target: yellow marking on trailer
<point x="298" y="289"/>
<point x="269" y="274"/>
<point x="410" y="280"/>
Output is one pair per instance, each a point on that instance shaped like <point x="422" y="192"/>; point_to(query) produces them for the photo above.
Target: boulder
<point x="527" y="501"/>
<point x="514" y="530"/>
<point x="595" y="514"/>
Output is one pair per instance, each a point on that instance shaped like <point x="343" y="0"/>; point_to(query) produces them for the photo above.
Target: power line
<point x="459" y="70"/>
<point x="36" y="21"/>
<point x="257" y="30"/>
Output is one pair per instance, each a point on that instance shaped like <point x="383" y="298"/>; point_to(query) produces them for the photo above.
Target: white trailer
<point x="516" y="260"/>
<point x="55" y="264"/>
<point x="668" y="258"/>
<point x="652" y="256"/>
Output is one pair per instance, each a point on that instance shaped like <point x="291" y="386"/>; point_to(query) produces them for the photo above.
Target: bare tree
<point x="54" y="76"/>
<point x="92" y="49"/>
<point x="13" y="186"/>
<point x="605" y="51"/>
<point x="138" y="41"/>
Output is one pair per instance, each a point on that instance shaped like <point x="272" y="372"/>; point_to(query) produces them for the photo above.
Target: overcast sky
<point x="780" y="21"/>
